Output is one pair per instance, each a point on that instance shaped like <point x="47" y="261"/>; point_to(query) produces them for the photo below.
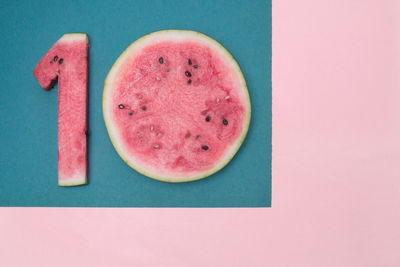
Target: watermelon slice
<point x="66" y="62"/>
<point x="176" y="106"/>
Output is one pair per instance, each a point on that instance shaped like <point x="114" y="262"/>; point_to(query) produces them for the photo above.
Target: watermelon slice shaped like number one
<point x="66" y="62"/>
<point x="176" y="106"/>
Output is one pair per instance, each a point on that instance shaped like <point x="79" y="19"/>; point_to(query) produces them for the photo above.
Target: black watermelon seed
<point x="190" y="61"/>
<point x="55" y="58"/>
<point x="208" y="118"/>
<point x="204" y="147"/>
<point x="53" y="82"/>
<point x="195" y="66"/>
<point x="120" y="105"/>
<point x="197" y="136"/>
<point x="161" y="60"/>
<point x="143" y="108"/>
<point x="225" y="121"/>
<point x="188" y="74"/>
<point x="60" y="61"/>
<point x="189" y="81"/>
<point x="131" y="113"/>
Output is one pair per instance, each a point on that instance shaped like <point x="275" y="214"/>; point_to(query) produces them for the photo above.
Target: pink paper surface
<point x="336" y="166"/>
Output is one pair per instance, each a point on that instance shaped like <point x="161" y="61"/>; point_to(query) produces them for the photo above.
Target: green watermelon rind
<point x="73" y="182"/>
<point x="233" y="148"/>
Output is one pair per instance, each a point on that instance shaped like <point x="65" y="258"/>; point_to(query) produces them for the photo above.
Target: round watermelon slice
<point x="176" y="106"/>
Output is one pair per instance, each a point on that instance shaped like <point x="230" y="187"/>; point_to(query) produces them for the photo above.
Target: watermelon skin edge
<point x="73" y="181"/>
<point x="233" y="149"/>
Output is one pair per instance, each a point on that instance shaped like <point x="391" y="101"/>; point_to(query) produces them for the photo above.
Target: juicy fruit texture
<point x="66" y="62"/>
<point x="176" y="106"/>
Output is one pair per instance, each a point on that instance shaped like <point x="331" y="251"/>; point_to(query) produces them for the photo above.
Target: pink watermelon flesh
<point x="67" y="62"/>
<point x="178" y="107"/>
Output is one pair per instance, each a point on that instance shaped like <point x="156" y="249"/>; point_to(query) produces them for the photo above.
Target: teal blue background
<point x="28" y="120"/>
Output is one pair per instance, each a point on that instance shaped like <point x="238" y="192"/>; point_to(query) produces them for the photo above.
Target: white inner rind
<point x="159" y="36"/>
<point x="72" y="37"/>
<point x="77" y="179"/>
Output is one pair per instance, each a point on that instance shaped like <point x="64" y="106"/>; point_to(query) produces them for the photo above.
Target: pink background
<point x="336" y="166"/>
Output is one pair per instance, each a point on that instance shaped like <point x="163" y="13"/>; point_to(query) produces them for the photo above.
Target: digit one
<point x="66" y="62"/>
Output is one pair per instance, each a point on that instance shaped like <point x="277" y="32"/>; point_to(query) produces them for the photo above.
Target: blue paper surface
<point x="28" y="121"/>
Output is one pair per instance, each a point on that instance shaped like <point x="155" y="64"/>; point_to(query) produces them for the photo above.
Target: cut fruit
<point x="66" y="62"/>
<point x="176" y="106"/>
